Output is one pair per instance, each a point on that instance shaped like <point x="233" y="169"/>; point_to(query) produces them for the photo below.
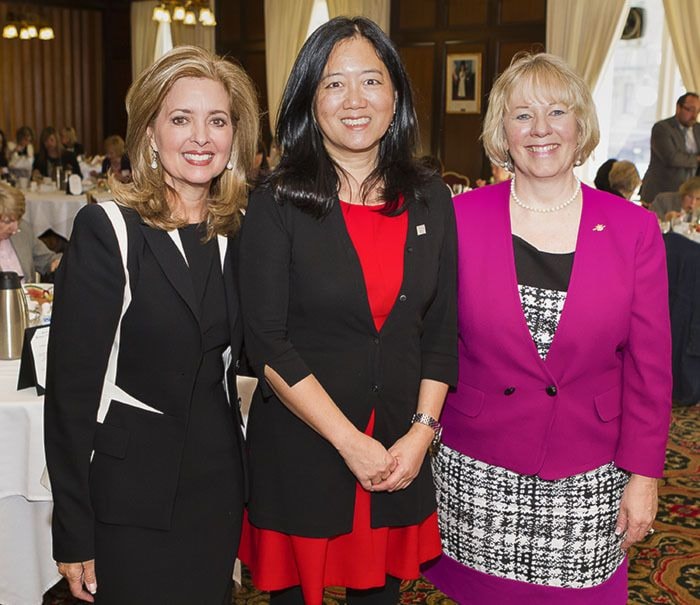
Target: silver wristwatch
<point x="427" y="420"/>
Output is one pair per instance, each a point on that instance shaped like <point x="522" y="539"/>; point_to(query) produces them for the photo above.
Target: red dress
<point x="362" y="558"/>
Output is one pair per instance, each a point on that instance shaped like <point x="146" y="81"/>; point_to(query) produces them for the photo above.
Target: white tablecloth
<point x="27" y="569"/>
<point x="55" y="210"/>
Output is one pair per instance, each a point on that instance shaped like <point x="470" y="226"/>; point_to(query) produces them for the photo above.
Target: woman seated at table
<point x="20" y="251"/>
<point x="116" y="162"/>
<point x="3" y="153"/>
<point x="624" y="179"/>
<point x="21" y="157"/>
<point x="670" y="205"/>
<point x="52" y="155"/>
<point x="69" y="140"/>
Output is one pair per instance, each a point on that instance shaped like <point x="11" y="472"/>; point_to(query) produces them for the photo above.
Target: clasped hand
<point x="378" y="469"/>
<point x="79" y="577"/>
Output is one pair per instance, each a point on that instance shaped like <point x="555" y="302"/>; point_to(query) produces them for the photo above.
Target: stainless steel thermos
<point x="14" y="316"/>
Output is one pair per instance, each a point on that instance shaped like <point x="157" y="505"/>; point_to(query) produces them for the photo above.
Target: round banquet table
<point x="27" y="569"/>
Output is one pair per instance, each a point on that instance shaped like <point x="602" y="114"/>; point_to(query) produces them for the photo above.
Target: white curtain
<point x="583" y="33"/>
<point x="164" y="40"/>
<point x="143" y="36"/>
<point x="377" y="10"/>
<point x="683" y="21"/>
<point x="286" y="24"/>
<point x="149" y="40"/>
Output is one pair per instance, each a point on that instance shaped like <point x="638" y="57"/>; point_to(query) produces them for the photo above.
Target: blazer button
<point x="375" y="340"/>
<point x="409" y="249"/>
<point x="403" y="298"/>
<point x="551" y="390"/>
<point x="376" y="388"/>
<point x="509" y="391"/>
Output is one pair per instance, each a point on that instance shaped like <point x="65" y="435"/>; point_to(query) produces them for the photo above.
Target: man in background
<point x="675" y="144"/>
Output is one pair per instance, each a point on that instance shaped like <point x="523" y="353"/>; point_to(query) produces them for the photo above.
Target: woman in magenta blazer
<point x="556" y="432"/>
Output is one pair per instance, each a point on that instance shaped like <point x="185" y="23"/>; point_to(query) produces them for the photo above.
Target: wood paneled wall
<point x="426" y="31"/>
<point x="79" y="79"/>
<point x="240" y="34"/>
<point x="57" y="82"/>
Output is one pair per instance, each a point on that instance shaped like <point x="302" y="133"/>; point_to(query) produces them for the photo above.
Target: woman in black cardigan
<point x="351" y="386"/>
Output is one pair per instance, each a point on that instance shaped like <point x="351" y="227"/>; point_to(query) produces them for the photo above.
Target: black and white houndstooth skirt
<point x="553" y="533"/>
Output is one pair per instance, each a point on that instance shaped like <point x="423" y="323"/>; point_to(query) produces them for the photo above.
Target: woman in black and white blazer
<point x="148" y="481"/>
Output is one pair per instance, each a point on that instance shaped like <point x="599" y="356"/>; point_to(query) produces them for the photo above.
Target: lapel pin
<point x="598" y="227"/>
<point x="420" y="229"/>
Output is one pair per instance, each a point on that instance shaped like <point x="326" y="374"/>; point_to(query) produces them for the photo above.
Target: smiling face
<point x="355" y="101"/>
<point x="193" y="134"/>
<point x="542" y="136"/>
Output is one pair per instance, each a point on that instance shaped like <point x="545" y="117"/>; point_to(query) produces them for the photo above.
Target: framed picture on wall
<point x="463" y="83"/>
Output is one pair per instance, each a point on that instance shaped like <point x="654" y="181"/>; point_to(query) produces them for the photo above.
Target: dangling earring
<point x="229" y="166"/>
<point x="154" y="159"/>
<point x="508" y="164"/>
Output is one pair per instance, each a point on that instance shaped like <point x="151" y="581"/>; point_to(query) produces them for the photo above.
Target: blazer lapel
<point x="582" y="283"/>
<point x="173" y="264"/>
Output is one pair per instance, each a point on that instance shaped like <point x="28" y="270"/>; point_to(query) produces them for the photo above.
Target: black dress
<point x="138" y="566"/>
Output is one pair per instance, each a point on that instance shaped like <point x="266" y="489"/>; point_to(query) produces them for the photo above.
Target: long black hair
<point x="306" y="175"/>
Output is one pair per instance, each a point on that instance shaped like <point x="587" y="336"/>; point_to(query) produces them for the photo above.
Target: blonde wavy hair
<point x="147" y="193"/>
<point x="544" y="78"/>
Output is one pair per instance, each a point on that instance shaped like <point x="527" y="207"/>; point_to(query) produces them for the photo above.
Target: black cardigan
<point x="305" y="311"/>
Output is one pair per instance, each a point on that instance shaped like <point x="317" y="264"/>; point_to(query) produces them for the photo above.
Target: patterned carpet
<point x="664" y="570"/>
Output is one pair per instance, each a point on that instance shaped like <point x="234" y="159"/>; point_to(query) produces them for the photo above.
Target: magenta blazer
<point x="604" y="391"/>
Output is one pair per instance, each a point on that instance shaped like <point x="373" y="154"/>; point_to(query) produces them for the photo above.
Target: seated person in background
<point x="261" y="165"/>
<point x="3" y="153"/>
<point x="21" y="158"/>
<point x="69" y="140"/>
<point x="116" y="162"/>
<point x="52" y="155"/>
<point x="20" y="251"/>
<point x="670" y="204"/>
<point x="624" y="179"/>
<point x="602" y="177"/>
<point x="498" y="175"/>
<point x="432" y="163"/>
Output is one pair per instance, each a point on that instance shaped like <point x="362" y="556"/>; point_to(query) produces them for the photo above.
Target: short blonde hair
<point x="12" y="204"/>
<point x="544" y="77"/>
<point x="69" y="133"/>
<point x="147" y="192"/>
<point x="690" y="186"/>
<point x="624" y="177"/>
<point x="114" y="143"/>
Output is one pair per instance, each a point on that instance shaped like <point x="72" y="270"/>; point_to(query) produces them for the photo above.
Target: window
<point x="639" y="87"/>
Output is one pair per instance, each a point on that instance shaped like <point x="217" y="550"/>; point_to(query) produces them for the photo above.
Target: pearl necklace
<point x="517" y="200"/>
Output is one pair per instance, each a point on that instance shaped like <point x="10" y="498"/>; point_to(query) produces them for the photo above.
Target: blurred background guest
<point x="20" y="251"/>
<point x="602" y="176"/>
<point x="69" y="140"/>
<point x="52" y="155"/>
<point x="498" y="175"/>
<point x="348" y="293"/>
<point x="555" y="435"/>
<point x="624" y="179"/>
<point x="21" y="159"/>
<point x="3" y="155"/>
<point x="261" y="167"/>
<point x="432" y="163"/>
<point x="153" y="515"/>
<point x="678" y="204"/>
<point x="116" y="161"/>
